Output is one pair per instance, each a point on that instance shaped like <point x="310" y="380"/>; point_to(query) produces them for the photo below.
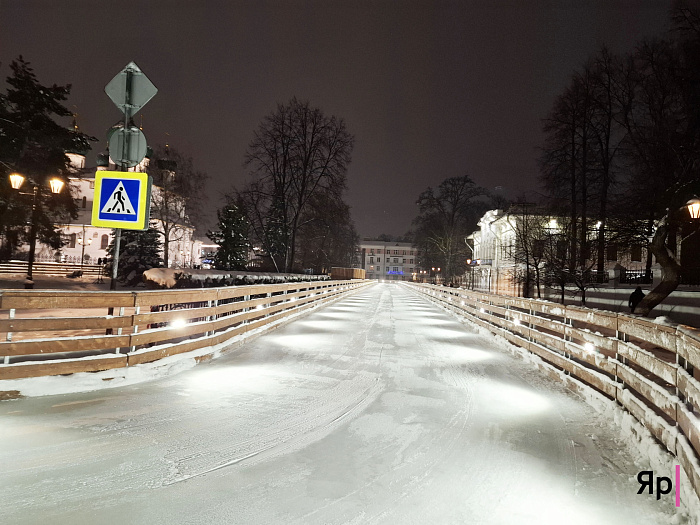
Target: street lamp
<point x="693" y="206"/>
<point x="83" y="242"/>
<point x="16" y="181"/>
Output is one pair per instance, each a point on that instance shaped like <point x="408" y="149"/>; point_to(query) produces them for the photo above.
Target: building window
<point x="404" y="261"/>
<point x="379" y="259"/>
<point x="396" y="268"/>
<point x="371" y="260"/>
<point x="636" y="253"/>
<point x="84" y="202"/>
<point x="71" y="240"/>
<point x="92" y="184"/>
<point x="105" y="242"/>
<point x="612" y="252"/>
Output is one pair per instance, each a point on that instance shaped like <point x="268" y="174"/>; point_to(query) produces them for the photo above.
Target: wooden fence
<point x="347" y="273"/>
<point x="51" y="332"/>
<point x="51" y="268"/>
<point x="651" y="369"/>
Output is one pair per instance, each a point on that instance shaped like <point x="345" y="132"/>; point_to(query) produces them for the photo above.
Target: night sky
<point x="429" y="89"/>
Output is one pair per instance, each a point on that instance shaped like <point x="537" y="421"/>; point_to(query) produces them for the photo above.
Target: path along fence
<point x="651" y="369"/>
<point x="52" y="332"/>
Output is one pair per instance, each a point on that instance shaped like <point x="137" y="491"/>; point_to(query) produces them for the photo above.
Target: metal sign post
<point x="130" y="90"/>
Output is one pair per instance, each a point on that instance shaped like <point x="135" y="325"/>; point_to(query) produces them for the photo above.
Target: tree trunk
<point x="166" y="246"/>
<point x="669" y="267"/>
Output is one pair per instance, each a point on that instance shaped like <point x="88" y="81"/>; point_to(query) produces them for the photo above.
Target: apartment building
<point x="390" y="261"/>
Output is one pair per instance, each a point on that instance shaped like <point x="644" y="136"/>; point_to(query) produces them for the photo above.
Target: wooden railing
<point x="650" y="369"/>
<point x="51" y="332"/>
<point x="51" y="268"/>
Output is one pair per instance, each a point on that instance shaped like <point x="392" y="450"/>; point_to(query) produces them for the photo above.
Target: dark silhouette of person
<point x="635" y="298"/>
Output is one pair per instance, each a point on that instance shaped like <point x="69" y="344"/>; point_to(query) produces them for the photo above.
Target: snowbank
<point x="191" y="278"/>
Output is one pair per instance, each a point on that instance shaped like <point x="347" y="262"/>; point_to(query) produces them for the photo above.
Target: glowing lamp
<point x="16" y="180"/>
<point x="693" y="206"/>
<point x="56" y="185"/>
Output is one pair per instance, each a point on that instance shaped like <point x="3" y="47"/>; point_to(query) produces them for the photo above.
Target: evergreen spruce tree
<point x="232" y="238"/>
<point x="138" y="251"/>
<point x="33" y="144"/>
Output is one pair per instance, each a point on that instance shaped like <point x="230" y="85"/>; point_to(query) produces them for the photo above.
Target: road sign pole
<point x="129" y="90"/>
<point x="124" y="167"/>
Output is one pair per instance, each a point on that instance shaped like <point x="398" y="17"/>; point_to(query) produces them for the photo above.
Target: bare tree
<point x="296" y="153"/>
<point x="661" y="120"/>
<point x="447" y="215"/>
<point x="178" y="196"/>
<point x="527" y="250"/>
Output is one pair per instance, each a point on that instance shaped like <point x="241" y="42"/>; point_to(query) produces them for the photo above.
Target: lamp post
<point x="56" y="185"/>
<point x="83" y="242"/>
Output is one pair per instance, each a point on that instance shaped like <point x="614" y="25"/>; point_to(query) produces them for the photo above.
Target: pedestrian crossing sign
<point x="121" y="200"/>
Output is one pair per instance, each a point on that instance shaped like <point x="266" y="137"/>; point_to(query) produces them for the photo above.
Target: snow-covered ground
<point x="380" y="408"/>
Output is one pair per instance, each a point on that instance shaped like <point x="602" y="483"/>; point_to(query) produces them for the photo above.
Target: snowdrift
<point x="190" y="278"/>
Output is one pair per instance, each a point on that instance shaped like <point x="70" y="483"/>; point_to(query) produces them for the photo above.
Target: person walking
<point x="635" y="298"/>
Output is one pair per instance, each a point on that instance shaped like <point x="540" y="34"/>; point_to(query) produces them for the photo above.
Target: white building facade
<point x="389" y="261"/>
<point x="494" y="269"/>
<point x="87" y="243"/>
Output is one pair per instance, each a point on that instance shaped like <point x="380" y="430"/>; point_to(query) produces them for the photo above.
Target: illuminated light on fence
<point x="259" y="307"/>
<point x="177" y="323"/>
<point x="482" y="310"/>
<point x="589" y="348"/>
<point x="462" y="302"/>
<point x="516" y="321"/>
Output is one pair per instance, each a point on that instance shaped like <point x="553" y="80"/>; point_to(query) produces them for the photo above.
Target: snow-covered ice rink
<point x="379" y="408"/>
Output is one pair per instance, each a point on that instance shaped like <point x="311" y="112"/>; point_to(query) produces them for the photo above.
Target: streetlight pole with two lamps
<point x="56" y="185"/>
<point x="83" y="241"/>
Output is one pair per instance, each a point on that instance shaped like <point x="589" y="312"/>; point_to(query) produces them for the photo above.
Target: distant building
<point x="391" y="261"/>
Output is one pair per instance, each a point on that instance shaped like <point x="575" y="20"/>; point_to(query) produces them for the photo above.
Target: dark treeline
<point x="621" y="156"/>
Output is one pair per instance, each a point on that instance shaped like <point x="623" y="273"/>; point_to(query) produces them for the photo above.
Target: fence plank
<point x="59" y="367"/>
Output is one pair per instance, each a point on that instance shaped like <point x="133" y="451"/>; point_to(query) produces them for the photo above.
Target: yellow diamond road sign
<point x="122" y="200"/>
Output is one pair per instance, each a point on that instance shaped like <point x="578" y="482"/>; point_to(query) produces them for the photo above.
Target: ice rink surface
<point x="380" y="408"/>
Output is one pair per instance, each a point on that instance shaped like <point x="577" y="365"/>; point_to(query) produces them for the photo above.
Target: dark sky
<point x="430" y="89"/>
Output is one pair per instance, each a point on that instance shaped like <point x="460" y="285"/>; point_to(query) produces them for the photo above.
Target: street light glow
<point x="693" y="206"/>
<point x="16" y="180"/>
<point x="178" y="323"/>
<point x="56" y="185"/>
